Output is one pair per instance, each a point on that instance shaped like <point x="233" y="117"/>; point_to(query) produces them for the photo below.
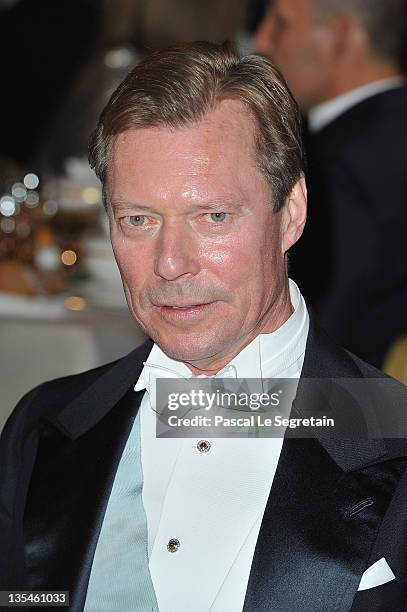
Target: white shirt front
<point x="212" y="502"/>
<point x="323" y="114"/>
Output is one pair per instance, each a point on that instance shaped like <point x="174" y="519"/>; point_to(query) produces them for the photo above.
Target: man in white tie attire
<point x="200" y="156"/>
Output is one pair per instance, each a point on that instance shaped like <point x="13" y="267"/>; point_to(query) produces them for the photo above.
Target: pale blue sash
<point x="120" y="579"/>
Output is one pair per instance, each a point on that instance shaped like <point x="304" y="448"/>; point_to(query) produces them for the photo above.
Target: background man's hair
<point x="179" y="85"/>
<point x="385" y="22"/>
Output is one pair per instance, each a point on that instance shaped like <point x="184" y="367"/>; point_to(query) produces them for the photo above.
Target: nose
<point x="263" y="39"/>
<point x="176" y="251"/>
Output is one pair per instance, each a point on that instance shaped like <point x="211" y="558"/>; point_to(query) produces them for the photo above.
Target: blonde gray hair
<point x="179" y="85"/>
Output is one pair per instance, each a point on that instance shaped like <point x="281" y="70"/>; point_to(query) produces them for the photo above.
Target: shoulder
<point x="388" y="387"/>
<point x="363" y="400"/>
<point x="50" y="397"/>
<point x="372" y="134"/>
<point x="19" y="439"/>
<point x="380" y="117"/>
<point x="324" y="358"/>
<point x="361" y="157"/>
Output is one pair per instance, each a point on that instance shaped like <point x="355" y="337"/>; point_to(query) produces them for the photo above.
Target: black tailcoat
<point x="335" y="507"/>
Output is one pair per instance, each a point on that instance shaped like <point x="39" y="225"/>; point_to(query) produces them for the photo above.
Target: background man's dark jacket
<point x="336" y="506"/>
<point x="352" y="260"/>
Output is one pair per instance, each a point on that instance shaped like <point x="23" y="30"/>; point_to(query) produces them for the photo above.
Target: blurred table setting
<point x="62" y="306"/>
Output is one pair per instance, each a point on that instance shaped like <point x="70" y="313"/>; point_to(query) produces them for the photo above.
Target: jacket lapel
<point x="79" y="450"/>
<point x="325" y="508"/>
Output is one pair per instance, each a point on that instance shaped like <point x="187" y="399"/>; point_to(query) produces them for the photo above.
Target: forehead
<point x="218" y="150"/>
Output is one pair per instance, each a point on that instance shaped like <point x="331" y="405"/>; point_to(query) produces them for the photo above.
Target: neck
<point x="274" y="318"/>
<point x="363" y="73"/>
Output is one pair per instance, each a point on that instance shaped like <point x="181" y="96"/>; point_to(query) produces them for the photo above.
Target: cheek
<point x="133" y="263"/>
<point x="297" y="52"/>
<point x="221" y="259"/>
<point x="237" y="268"/>
<point x="230" y="262"/>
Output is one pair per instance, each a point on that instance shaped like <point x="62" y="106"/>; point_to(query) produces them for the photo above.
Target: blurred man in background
<point x="342" y="59"/>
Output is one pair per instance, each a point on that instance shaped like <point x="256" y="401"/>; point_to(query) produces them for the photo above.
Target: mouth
<point x="180" y="312"/>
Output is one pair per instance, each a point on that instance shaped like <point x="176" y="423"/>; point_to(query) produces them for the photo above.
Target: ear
<point x="342" y="32"/>
<point x="294" y="214"/>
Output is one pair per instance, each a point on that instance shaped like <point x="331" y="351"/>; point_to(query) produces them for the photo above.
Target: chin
<point x="188" y="348"/>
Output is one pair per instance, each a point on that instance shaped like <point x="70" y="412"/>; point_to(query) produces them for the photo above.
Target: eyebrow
<point x="216" y="203"/>
<point x="212" y="204"/>
<point x="123" y="204"/>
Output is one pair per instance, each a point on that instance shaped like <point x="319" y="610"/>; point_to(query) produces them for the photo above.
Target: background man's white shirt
<point x="212" y="502"/>
<point x="326" y="112"/>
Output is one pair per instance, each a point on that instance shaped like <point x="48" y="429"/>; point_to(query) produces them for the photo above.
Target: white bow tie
<point x="153" y="372"/>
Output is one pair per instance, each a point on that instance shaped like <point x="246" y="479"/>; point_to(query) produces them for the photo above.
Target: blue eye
<point x="136" y="220"/>
<point x="218" y="216"/>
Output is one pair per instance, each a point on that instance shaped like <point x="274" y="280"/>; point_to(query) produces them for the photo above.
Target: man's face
<point x="300" y="46"/>
<point x="199" y="249"/>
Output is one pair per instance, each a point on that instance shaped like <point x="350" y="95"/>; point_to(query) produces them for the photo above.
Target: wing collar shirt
<point x="210" y="504"/>
<point x="323" y="114"/>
